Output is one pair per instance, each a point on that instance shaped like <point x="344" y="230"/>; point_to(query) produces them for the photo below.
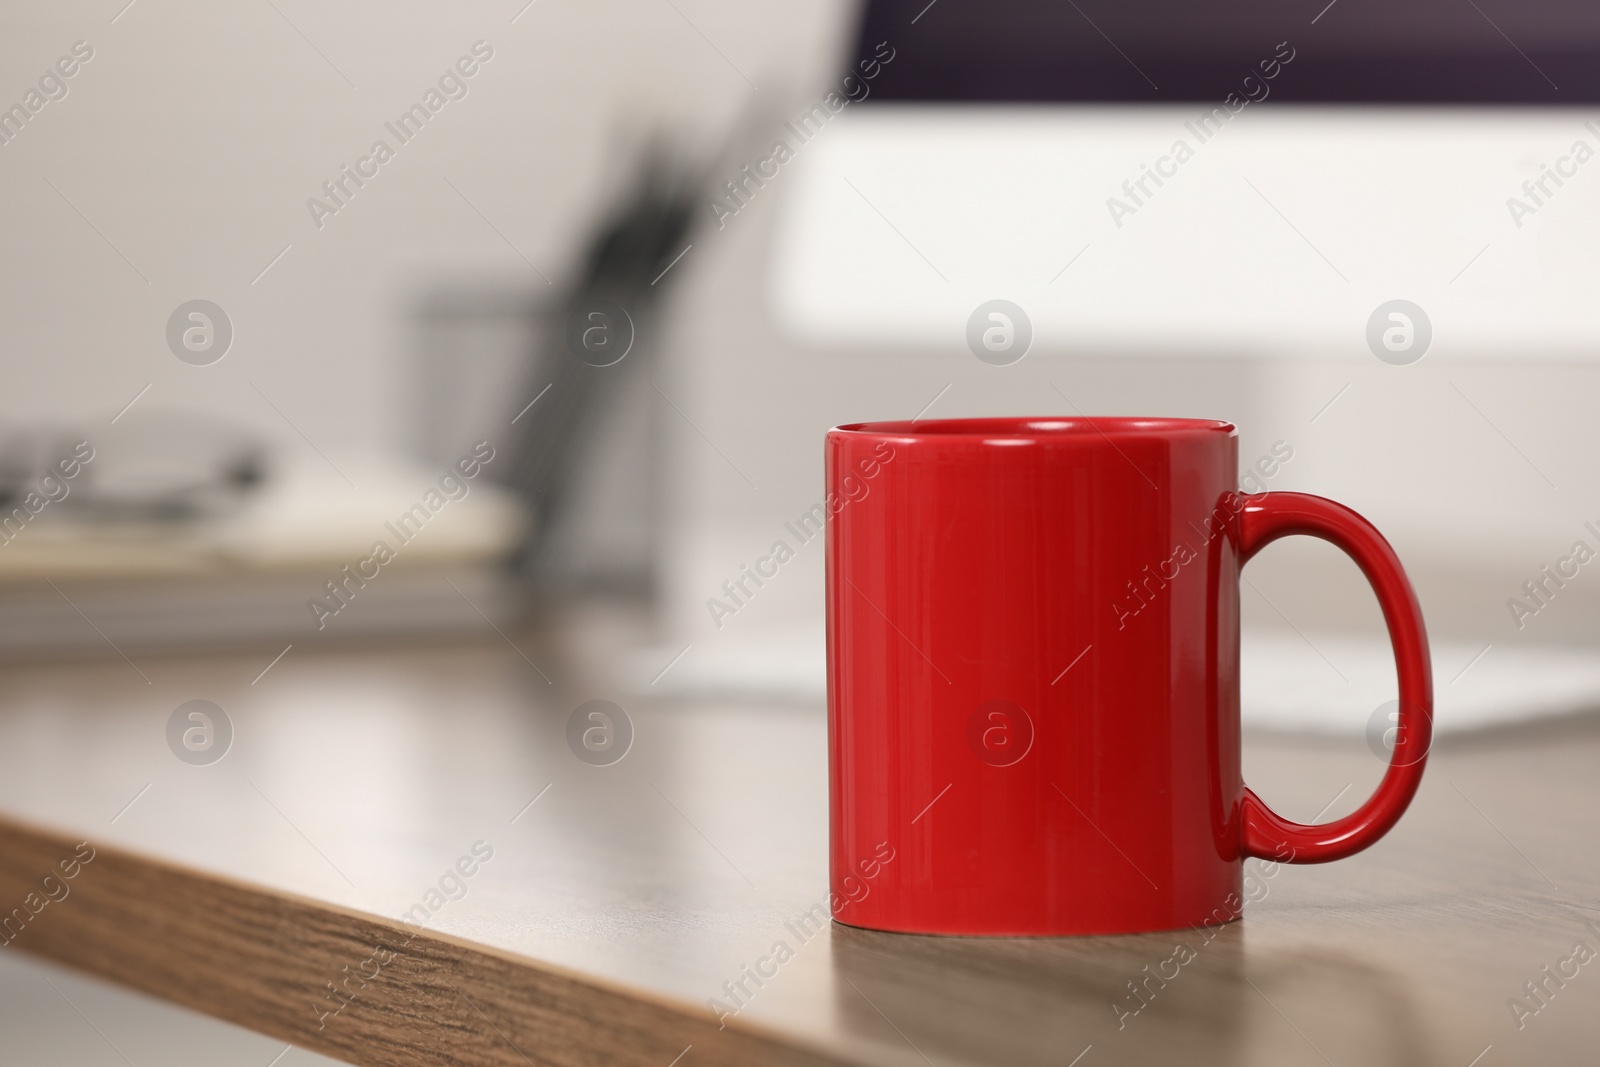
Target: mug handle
<point x="1264" y="833"/>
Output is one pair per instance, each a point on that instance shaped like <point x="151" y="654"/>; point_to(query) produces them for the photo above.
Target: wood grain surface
<point x="270" y="961"/>
<point x="620" y="900"/>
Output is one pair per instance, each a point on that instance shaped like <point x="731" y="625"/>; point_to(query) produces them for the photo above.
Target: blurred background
<point x="555" y="301"/>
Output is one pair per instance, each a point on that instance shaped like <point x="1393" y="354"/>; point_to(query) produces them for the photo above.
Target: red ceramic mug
<point x="1033" y="675"/>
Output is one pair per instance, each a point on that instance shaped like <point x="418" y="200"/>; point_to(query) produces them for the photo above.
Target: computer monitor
<point x="1477" y="52"/>
<point x="1189" y="179"/>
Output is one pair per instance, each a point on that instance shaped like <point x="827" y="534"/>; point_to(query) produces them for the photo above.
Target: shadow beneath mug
<point x="1329" y="1005"/>
<point x="1194" y="997"/>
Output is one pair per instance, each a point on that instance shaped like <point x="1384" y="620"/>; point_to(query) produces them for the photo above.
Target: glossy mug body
<point x="1033" y="671"/>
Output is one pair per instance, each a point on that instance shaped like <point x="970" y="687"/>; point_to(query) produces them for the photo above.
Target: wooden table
<point x="619" y="899"/>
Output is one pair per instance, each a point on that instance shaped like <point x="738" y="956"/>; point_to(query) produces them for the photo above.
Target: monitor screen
<point x="1479" y="52"/>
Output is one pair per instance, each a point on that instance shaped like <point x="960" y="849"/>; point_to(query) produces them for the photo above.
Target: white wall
<point x="193" y="138"/>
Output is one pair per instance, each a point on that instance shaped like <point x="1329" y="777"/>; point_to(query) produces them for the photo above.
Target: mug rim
<point x="1057" y="428"/>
